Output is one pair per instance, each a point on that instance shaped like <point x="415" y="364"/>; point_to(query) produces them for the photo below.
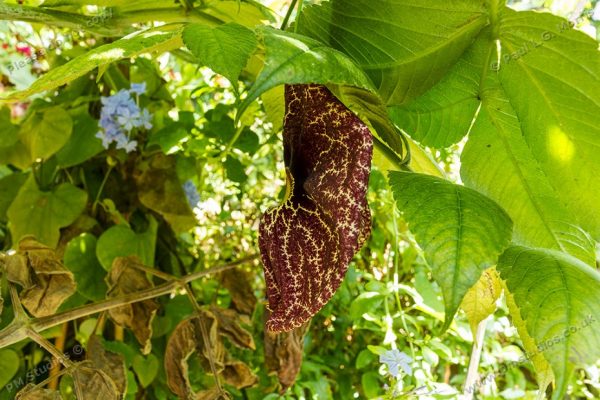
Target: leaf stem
<point x="49" y="347"/>
<point x="17" y="330"/>
<point x="288" y="15"/>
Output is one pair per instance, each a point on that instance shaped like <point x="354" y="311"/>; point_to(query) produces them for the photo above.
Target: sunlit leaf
<point x="224" y="48"/>
<point x="558" y="297"/>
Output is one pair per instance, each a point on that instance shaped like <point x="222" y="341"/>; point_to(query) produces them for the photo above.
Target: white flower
<point x="395" y="358"/>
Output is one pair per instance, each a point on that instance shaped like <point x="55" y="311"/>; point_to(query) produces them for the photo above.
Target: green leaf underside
<point x="556" y="295"/>
<point x="543" y="369"/>
<point x="292" y="58"/>
<point x="461" y="231"/>
<point x="42" y="214"/>
<point x="443" y="115"/>
<point x="129" y="46"/>
<point x="555" y="91"/>
<point x="225" y="48"/>
<point x="406" y="46"/>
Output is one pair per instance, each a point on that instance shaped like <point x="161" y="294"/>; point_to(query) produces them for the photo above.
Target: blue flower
<point x="119" y="116"/>
<point x="395" y="359"/>
<point x="191" y="192"/>
<point x="138" y="88"/>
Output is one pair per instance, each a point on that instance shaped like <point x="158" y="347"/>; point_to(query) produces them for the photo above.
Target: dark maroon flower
<point x="307" y="243"/>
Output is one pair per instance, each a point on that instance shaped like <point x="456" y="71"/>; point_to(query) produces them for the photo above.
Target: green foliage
<point x="42" y="213"/>
<point x="461" y="232"/>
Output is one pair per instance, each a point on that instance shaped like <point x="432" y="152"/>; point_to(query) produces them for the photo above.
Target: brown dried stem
<point x="18" y="329"/>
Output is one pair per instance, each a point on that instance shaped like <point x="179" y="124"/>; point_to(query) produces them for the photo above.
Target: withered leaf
<point x="283" y="354"/>
<point x="112" y="364"/>
<point x="46" y="282"/>
<point x="229" y="326"/>
<point x="94" y="384"/>
<point x="237" y="282"/>
<point x="238" y="375"/>
<point x="33" y="392"/>
<point x="210" y="394"/>
<point x="160" y="190"/>
<point x="307" y="243"/>
<point x="186" y="340"/>
<point x="123" y="279"/>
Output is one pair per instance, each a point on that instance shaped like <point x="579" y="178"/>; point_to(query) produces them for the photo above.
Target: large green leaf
<point x="160" y="40"/>
<point x="551" y="74"/>
<point x="45" y="132"/>
<point x="225" y="48"/>
<point x="497" y="161"/>
<point x="42" y="214"/>
<point x="443" y="115"/>
<point x="83" y="143"/>
<point x="292" y="58"/>
<point x="559" y="300"/>
<point x="460" y="231"/>
<point x="405" y="46"/>
<point x="9" y="366"/>
<point x="80" y="258"/>
<point x="122" y="241"/>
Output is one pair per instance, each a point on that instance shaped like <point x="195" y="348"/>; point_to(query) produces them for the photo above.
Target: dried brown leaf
<point x="33" y="392"/>
<point x="238" y="375"/>
<point x="160" y="190"/>
<point x="112" y="364"/>
<point x="186" y="340"/>
<point x="210" y="394"/>
<point x="123" y="279"/>
<point x="94" y="384"/>
<point x="283" y="354"/>
<point x="46" y="282"/>
<point x="237" y="282"/>
<point x="229" y="326"/>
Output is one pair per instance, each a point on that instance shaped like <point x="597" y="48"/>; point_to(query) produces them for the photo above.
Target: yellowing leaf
<point x="480" y="300"/>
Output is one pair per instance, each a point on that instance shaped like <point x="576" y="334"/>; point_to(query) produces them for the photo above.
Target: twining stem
<point x="49" y="347"/>
<point x="17" y="330"/>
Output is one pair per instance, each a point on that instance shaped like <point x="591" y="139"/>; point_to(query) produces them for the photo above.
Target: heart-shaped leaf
<point x="461" y="231"/>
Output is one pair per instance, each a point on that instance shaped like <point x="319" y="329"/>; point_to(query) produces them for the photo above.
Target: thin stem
<point x="18" y="309"/>
<point x="205" y="337"/>
<point x="101" y="189"/>
<point x="471" y="378"/>
<point x="288" y="15"/>
<point x="49" y="347"/>
<point x="15" y="332"/>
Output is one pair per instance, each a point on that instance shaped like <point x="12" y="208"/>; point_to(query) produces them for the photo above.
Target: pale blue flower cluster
<point x="191" y="192"/>
<point x="120" y="115"/>
<point x="396" y="359"/>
